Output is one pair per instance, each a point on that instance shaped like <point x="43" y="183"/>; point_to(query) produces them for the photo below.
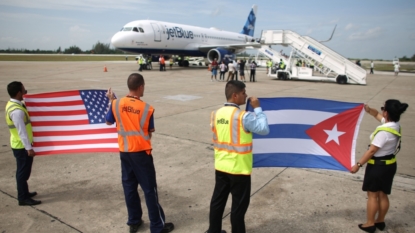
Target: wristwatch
<point x="359" y="164"/>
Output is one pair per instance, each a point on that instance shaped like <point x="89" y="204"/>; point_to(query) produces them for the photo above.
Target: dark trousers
<point x="236" y="75"/>
<point x="371" y="70"/>
<point x="252" y="76"/>
<point x="24" y="168"/>
<point x="222" y="75"/>
<point x="138" y="168"/>
<point x="240" y="188"/>
<point x="141" y="68"/>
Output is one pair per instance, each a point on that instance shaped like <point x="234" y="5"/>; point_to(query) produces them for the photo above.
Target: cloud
<point x="9" y="39"/>
<point x="78" y="29"/>
<point x="369" y="34"/>
<point x="351" y="26"/>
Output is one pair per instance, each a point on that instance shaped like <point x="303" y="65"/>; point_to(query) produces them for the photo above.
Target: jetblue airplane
<point x="156" y="37"/>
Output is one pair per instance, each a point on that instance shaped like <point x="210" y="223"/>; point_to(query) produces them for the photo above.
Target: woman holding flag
<point x="381" y="162"/>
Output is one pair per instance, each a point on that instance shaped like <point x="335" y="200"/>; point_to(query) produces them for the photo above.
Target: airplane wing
<point x="248" y="45"/>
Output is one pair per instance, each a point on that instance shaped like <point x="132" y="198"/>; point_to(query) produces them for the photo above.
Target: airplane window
<point x="141" y="30"/>
<point x="127" y="29"/>
<point x="135" y="29"/>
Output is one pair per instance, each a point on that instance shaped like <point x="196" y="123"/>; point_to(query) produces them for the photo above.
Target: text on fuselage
<point x="179" y="33"/>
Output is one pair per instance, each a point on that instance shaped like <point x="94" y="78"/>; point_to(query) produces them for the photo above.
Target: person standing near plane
<point x="253" y="69"/>
<point x="236" y="66"/>
<point x="371" y="67"/>
<point x="171" y="61"/>
<point x="231" y="70"/>
<point x="162" y="63"/>
<point x="242" y="70"/>
<point x="396" y="67"/>
<point x="269" y="65"/>
<point x="232" y="138"/>
<point x="135" y="124"/>
<point x="149" y="65"/>
<point x="214" y="69"/>
<point x="222" y="68"/>
<point x="21" y="139"/>
<point x="140" y="62"/>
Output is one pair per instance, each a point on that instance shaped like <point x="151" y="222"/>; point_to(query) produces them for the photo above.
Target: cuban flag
<point x="308" y="133"/>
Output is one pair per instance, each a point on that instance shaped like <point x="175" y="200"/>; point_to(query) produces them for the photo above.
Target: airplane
<point x="166" y="38"/>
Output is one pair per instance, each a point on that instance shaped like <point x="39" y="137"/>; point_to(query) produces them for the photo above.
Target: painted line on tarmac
<point x="44" y="212"/>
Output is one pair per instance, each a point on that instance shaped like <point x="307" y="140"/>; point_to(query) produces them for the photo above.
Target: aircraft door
<point x="157" y="32"/>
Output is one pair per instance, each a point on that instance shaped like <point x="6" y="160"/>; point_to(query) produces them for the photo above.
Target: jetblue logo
<point x="179" y="33"/>
<point x="130" y="109"/>
<point x="269" y="52"/>
<point x="222" y="121"/>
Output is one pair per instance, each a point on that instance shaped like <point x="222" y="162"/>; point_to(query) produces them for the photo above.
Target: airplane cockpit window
<point x="141" y="30"/>
<point x="127" y="29"/>
<point x="135" y="29"/>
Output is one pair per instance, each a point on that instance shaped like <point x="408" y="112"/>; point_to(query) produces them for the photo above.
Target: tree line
<point x="98" y="48"/>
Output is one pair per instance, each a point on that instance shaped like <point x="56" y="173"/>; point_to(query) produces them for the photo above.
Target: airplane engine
<point x="219" y="54"/>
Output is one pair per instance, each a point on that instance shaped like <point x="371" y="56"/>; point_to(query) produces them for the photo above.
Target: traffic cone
<point x="105" y="69"/>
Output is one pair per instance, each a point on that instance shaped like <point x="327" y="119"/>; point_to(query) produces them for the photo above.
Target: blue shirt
<point x="111" y="119"/>
<point x="255" y="123"/>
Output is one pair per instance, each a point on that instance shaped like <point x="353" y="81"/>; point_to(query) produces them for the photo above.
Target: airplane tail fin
<point x="249" y="27"/>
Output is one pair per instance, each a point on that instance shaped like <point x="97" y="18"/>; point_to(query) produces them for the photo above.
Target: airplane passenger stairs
<point x="331" y="65"/>
<point x="275" y="56"/>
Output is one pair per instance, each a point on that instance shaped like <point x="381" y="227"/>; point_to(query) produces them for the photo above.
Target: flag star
<point x="100" y="120"/>
<point x="333" y="135"/>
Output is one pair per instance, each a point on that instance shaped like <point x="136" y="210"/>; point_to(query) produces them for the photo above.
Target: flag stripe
<point x="59" y="123"/>
<point x="58" y="118"/>
<point x="52" y="104"/>
<point x="76" y="142"/>
<point x="286" y="131"/>
<point x="297" y="160"/>
<point x="305" y="117"/>
<point x="57" y="113"/>
<point x="76" y="137"/>
<point x="55" y="108"/>
<point x="53" y="97"/>
<point x="72" y="127"/>
<point x="289" y="145"/>
<point x="77" y="147"/>
<point x="306" y="104"/>
<point x="53" y="150"/>
<point x="110" y="129"/>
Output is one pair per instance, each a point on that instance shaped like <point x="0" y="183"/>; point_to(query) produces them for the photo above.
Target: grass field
<point x="379" y="65"/>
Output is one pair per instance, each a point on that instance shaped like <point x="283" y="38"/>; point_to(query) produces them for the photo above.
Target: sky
<point x="372" y="29"/>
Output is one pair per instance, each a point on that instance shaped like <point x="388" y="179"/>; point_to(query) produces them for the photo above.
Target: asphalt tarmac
<point x="83" y="192"/>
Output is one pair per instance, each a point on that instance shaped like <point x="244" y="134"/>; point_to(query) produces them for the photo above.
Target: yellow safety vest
<point x="232" y="144"/>
<point x="398" y="146"/>
<point x="15" y="141"/>
<point x="269" y="64"/>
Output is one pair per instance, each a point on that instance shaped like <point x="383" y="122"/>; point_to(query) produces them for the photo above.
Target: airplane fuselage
<point x="156" y="37"/>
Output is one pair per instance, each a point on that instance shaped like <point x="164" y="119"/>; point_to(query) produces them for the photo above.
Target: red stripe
<point x="75" y="132"/>
<point x="54" y="94"/>
<point x="59" y="113"/>
<point x="93" y="150"/>
<point x="54" y="104"/>
<point x="60" y="123"/>
<point x="75" y="142"/>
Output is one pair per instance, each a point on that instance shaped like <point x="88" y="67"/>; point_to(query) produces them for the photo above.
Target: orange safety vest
<point x="132" y="117"/>
<point x="162" y="60"/>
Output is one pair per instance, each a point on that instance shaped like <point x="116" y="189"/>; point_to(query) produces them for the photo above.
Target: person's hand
<point x="254" y="102"/>
<point x="110" y="94"/>
<point x="355" y="169"/>
<point x="31" y="152"/>
<point x="367" y="108"/>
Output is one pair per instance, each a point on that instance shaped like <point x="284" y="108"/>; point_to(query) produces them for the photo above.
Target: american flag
<point x="71" y="122"/>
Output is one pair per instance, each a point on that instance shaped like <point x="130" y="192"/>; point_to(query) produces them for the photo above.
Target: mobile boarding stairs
<point x="324" y="61"/>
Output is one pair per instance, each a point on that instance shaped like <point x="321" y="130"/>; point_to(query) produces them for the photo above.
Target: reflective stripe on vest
<point x="15" y="141"/>
<point x="398" y="146"/>
<point x="129" y="132"/>
<point x="232" y="144"/>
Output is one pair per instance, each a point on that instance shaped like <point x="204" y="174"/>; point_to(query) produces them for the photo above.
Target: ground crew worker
<point x="282" y="65"/>
<point x="135" y="124"/>
<point x="140" y="62"/>
<point x="232" y="137"/>
<point x="269" y="65"/>
<point x="149" y="65"/>
<point x="21" y="139"/>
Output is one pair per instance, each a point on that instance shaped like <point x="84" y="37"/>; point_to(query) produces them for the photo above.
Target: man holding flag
<point x="21" y="139"/>
<point x="232" y="137"/>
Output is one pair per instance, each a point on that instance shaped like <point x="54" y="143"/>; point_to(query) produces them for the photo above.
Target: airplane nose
<point x="116" y="40"/>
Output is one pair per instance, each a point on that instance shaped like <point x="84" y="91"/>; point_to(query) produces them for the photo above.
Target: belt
<point x="386" y="160"/>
